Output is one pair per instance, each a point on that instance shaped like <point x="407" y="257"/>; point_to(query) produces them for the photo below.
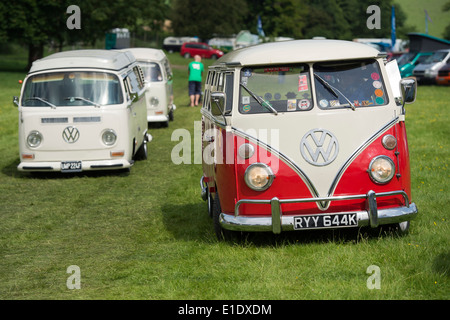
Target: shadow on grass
<point x="10" y="170"/>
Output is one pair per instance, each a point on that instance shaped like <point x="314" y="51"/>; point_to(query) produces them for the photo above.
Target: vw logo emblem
<point x="70" y="134"/>
<point x="319" y="147"/>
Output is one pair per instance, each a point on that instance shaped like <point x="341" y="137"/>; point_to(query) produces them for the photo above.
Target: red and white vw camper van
<point x="306" y="134"/>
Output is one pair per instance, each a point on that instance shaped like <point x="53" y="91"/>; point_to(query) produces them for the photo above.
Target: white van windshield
<point x="275" y="89"/>
<point x="152" y="71"/>
<point x="78" y="88"/>
<point x="352" y="84"/>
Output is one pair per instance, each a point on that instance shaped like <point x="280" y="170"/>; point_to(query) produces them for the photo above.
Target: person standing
<point x="195" y="80"/>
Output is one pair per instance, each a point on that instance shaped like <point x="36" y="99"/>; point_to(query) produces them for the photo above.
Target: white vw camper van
<point x="159" y="79"/>
<point x="82" y="110"/>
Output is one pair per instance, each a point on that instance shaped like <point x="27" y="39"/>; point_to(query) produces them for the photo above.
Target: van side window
<point x="208" y="90"/>
<point x="229" y="84"/>
<point x="224" y="86"/>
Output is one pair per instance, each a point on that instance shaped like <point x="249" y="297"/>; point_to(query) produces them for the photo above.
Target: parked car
<point x="443" y="77"/>
<point x="173" y="44"/>
<point x="306" y="134"/>
<point x="427" y="71"/>
<point x="191" y="49"/>
<point x="159" y="82"/>
<point x="82" y="110"/>
<point x="408" y="61"/>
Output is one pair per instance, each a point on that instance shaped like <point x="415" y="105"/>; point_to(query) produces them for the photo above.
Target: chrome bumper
<point x="277" y="222"/>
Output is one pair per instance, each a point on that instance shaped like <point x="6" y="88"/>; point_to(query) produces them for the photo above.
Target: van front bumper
<point x="49" y="166"/>
<point x="276" y="223"/>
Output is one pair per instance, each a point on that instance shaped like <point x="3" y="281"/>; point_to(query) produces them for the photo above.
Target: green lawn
<point x="147" y="235"/>
<point x="415" y="15"/>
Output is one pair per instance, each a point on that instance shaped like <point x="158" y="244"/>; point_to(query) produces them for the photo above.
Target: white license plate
<point x="324" y="221"/>
<point x="71" y="166"/>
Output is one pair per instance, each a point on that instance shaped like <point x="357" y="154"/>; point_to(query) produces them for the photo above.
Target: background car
<point x="443" y="76"/>
<point x="190" y="49"/>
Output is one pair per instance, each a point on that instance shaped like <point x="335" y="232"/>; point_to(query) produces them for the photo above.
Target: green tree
<point x="205" y="18"/>
<point x="38" y="23"/>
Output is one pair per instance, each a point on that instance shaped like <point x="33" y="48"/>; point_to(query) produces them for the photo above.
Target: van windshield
<point x="285" y="88"/>
<point x="342" y="84"/>
<point x="79" y="88"/>
<point x="152" y="71"/>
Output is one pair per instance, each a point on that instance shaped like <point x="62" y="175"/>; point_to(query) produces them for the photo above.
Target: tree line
<point x="37" y="23"/>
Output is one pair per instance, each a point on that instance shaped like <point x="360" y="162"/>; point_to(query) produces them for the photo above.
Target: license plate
<point x="324" y="221"/>
<point x="71" y="166"/>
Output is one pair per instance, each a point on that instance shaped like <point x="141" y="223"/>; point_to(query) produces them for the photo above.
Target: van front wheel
<point x="221" y="233"/>
<point x="142" y="153"/>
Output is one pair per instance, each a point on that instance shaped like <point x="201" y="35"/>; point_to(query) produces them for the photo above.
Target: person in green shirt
<point x="195" y="80"/>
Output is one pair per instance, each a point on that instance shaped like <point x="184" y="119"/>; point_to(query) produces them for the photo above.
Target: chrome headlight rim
<point x="268" y="171"/>
<point x="389" y="142"/>
<point x="111" y="134"/>
<point x="246" y="151"/>
<point x="32" y="136"/>
<point x="154" y="101"/>
<point x="376" y="178"/>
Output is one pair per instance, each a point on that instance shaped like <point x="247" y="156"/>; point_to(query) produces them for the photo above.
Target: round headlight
<point x="389" y="142"/>
<point x="246" y="151"/>
<point x="34" y="139"/>
<point x="154" y="101"/>
<point x="381" y="169"/>
<point x="109" y="137"/>
<point x="258" y="176"/>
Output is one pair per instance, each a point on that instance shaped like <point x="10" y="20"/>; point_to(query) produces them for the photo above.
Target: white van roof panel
<point x="298" y="51"/>
<point x="98" y="59"/>
<point x="147" y="54"/>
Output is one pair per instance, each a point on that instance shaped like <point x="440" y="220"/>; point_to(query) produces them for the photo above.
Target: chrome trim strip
<point x="259" y="223"/>
<point x="370" y="194"/>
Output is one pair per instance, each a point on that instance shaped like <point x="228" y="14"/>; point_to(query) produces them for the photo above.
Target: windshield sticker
<point x="246" y="100"/>
<point x="291" y="104"/>
<point x="247" y="72"/>
<point x="366" y="103"/>
<point x="279" y="69"/>
<point x="246" y="108"/>
<point x="323" y="103"/>
<point x="334" y="103"/>
<point x="379" y="101"/>
<point x="379" y="93"/>
<point x="375" y="76"/>
<point x="302" y="83"/>
<point x="377" y="84"/>
<point x="304" y="104"/>
<point x="356" y="103"/>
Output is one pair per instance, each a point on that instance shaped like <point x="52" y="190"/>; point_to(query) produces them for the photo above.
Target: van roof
<point x="146" y="54"/>
<point x="298" y="51"/>
<point x="97" y="59"/>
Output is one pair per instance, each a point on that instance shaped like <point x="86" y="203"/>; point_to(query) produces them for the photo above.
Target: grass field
<point x="147" y="235"/>
<point x="415" y="15"/>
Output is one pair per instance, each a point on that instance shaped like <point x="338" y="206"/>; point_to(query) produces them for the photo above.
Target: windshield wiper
<point x="260" y="100"/>
<point x="71" y="99"/>
<point x="334" y="90"/>
<point x="42" y="100"/>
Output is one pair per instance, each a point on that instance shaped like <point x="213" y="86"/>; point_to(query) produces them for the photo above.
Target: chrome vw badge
<point x="319" y="147"/>
<point x="70" y="134"/>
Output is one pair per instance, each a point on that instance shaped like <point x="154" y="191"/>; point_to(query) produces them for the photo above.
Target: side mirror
<point x="217" y="103"/>
<point x="408" y="87"/>
<point x="16" y="101"/>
